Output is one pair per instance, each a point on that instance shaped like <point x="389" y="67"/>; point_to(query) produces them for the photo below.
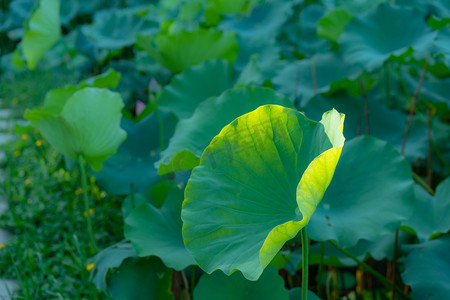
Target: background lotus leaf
<point x="371" y="39"/>
<point x="141" y="279"/>
<point x="218" y="286"/>
<point x="135" y="158"/>
<point x="179" y="50"/>
<point x="157" y="231"/>
<point x="198" y="83"/>
<point x="371" y="194"/>
<point x="43" y="31"/>
<point x="193" y="135"/>
<point x="431" y="213"/>
<point x="426" y="269"/>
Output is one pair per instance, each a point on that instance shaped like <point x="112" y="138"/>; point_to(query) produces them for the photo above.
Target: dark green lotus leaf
<point x="297" y="80"/>
<point x="107" y="259"/>
<point x="302" y="32"/>
<point x="333" y="23"/>
<point x="88" y="124"/>
<point x="218" y="286"/>
<point x="371" y="39"/>
<point x="117" y="28"/>
<point x="431" y="213"/>
<point x="426" y="269"/>
<point x="157" y="231"/>
<point x="296" y="294"/>
<point x="193" y="135"/>
<point x="198" y="83"/>
<point x="179" y="50"/>
<point x="371" y="194"/>
<point x="69" y="10"/>
<point x="260" y="180"/>
<point x="442" y="44"/>
<point x="384" y="123"/>
<point x="265" y="20"/>
<point x="354" y="7"/>
<point x="267" y="53"/>
<point x="141" y="279"/>
<point x="43" y="30"/>
<point x="18" y="12"/>
<point x="378" y="250"/>
<point x="432" y="89"/>
<point x="135" y="158"/>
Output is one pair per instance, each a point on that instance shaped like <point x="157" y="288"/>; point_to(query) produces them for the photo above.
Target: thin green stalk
<point x="92" y="243"/>
<point x="387" y="82"/>
<point x="320" y="271"/>
<point x="305" y="264"/>
<point x="161" y="129"/>
<point x="369" y="269"/>
<point x="192" y="281"/>
<point x="132" y="195"/>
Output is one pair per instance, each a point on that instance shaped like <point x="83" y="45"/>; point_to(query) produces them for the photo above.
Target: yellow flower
<point x="27" y="181"/>
<point x="15" y="101"/>
<point x="38" y="143"/>
<point x="90" y="266"/>
<point x="16" y="153"/>
<point x="79" y="191"/>
<point x="24" y="137"/>
<point x="35" y="131"/>
<point x="2" y="246"/>
<point x="91" y="211"/>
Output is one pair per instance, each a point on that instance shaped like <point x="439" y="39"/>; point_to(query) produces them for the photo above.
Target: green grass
<point x="48" y="252"/>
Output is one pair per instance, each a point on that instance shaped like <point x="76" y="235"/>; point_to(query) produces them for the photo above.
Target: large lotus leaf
<point x="260" y="181"/>
<point x="218" y="286"/>
<point x="107" y="259"/>
<point x="431" y="213"/>
<point x="384" y="123"/>
<point x="442" y="44"/>
<point x="87" y="125"/>
<point x="196" y="84"/>
<point x="371" y="194"/>
<point x="116" y="28"/>
<point x="371" y="39"/>
<point x="157" y="231"/>
<point x="426" y="269"/>
<point x="135" y="158"/>
<point x="142" y="279"/>
<point x="265" y="20"/>
<point x="193" y="135"/>
<point x="302" y="79"/>
<point x="179" y="50"/>
<point x="42" y="32"/>
<point x="333" y="23"/>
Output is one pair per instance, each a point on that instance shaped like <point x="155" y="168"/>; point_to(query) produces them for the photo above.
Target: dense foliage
<point x="196" y="149"/>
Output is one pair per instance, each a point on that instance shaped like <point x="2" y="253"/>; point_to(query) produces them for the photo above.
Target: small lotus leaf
<point x="42" y="33"/>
